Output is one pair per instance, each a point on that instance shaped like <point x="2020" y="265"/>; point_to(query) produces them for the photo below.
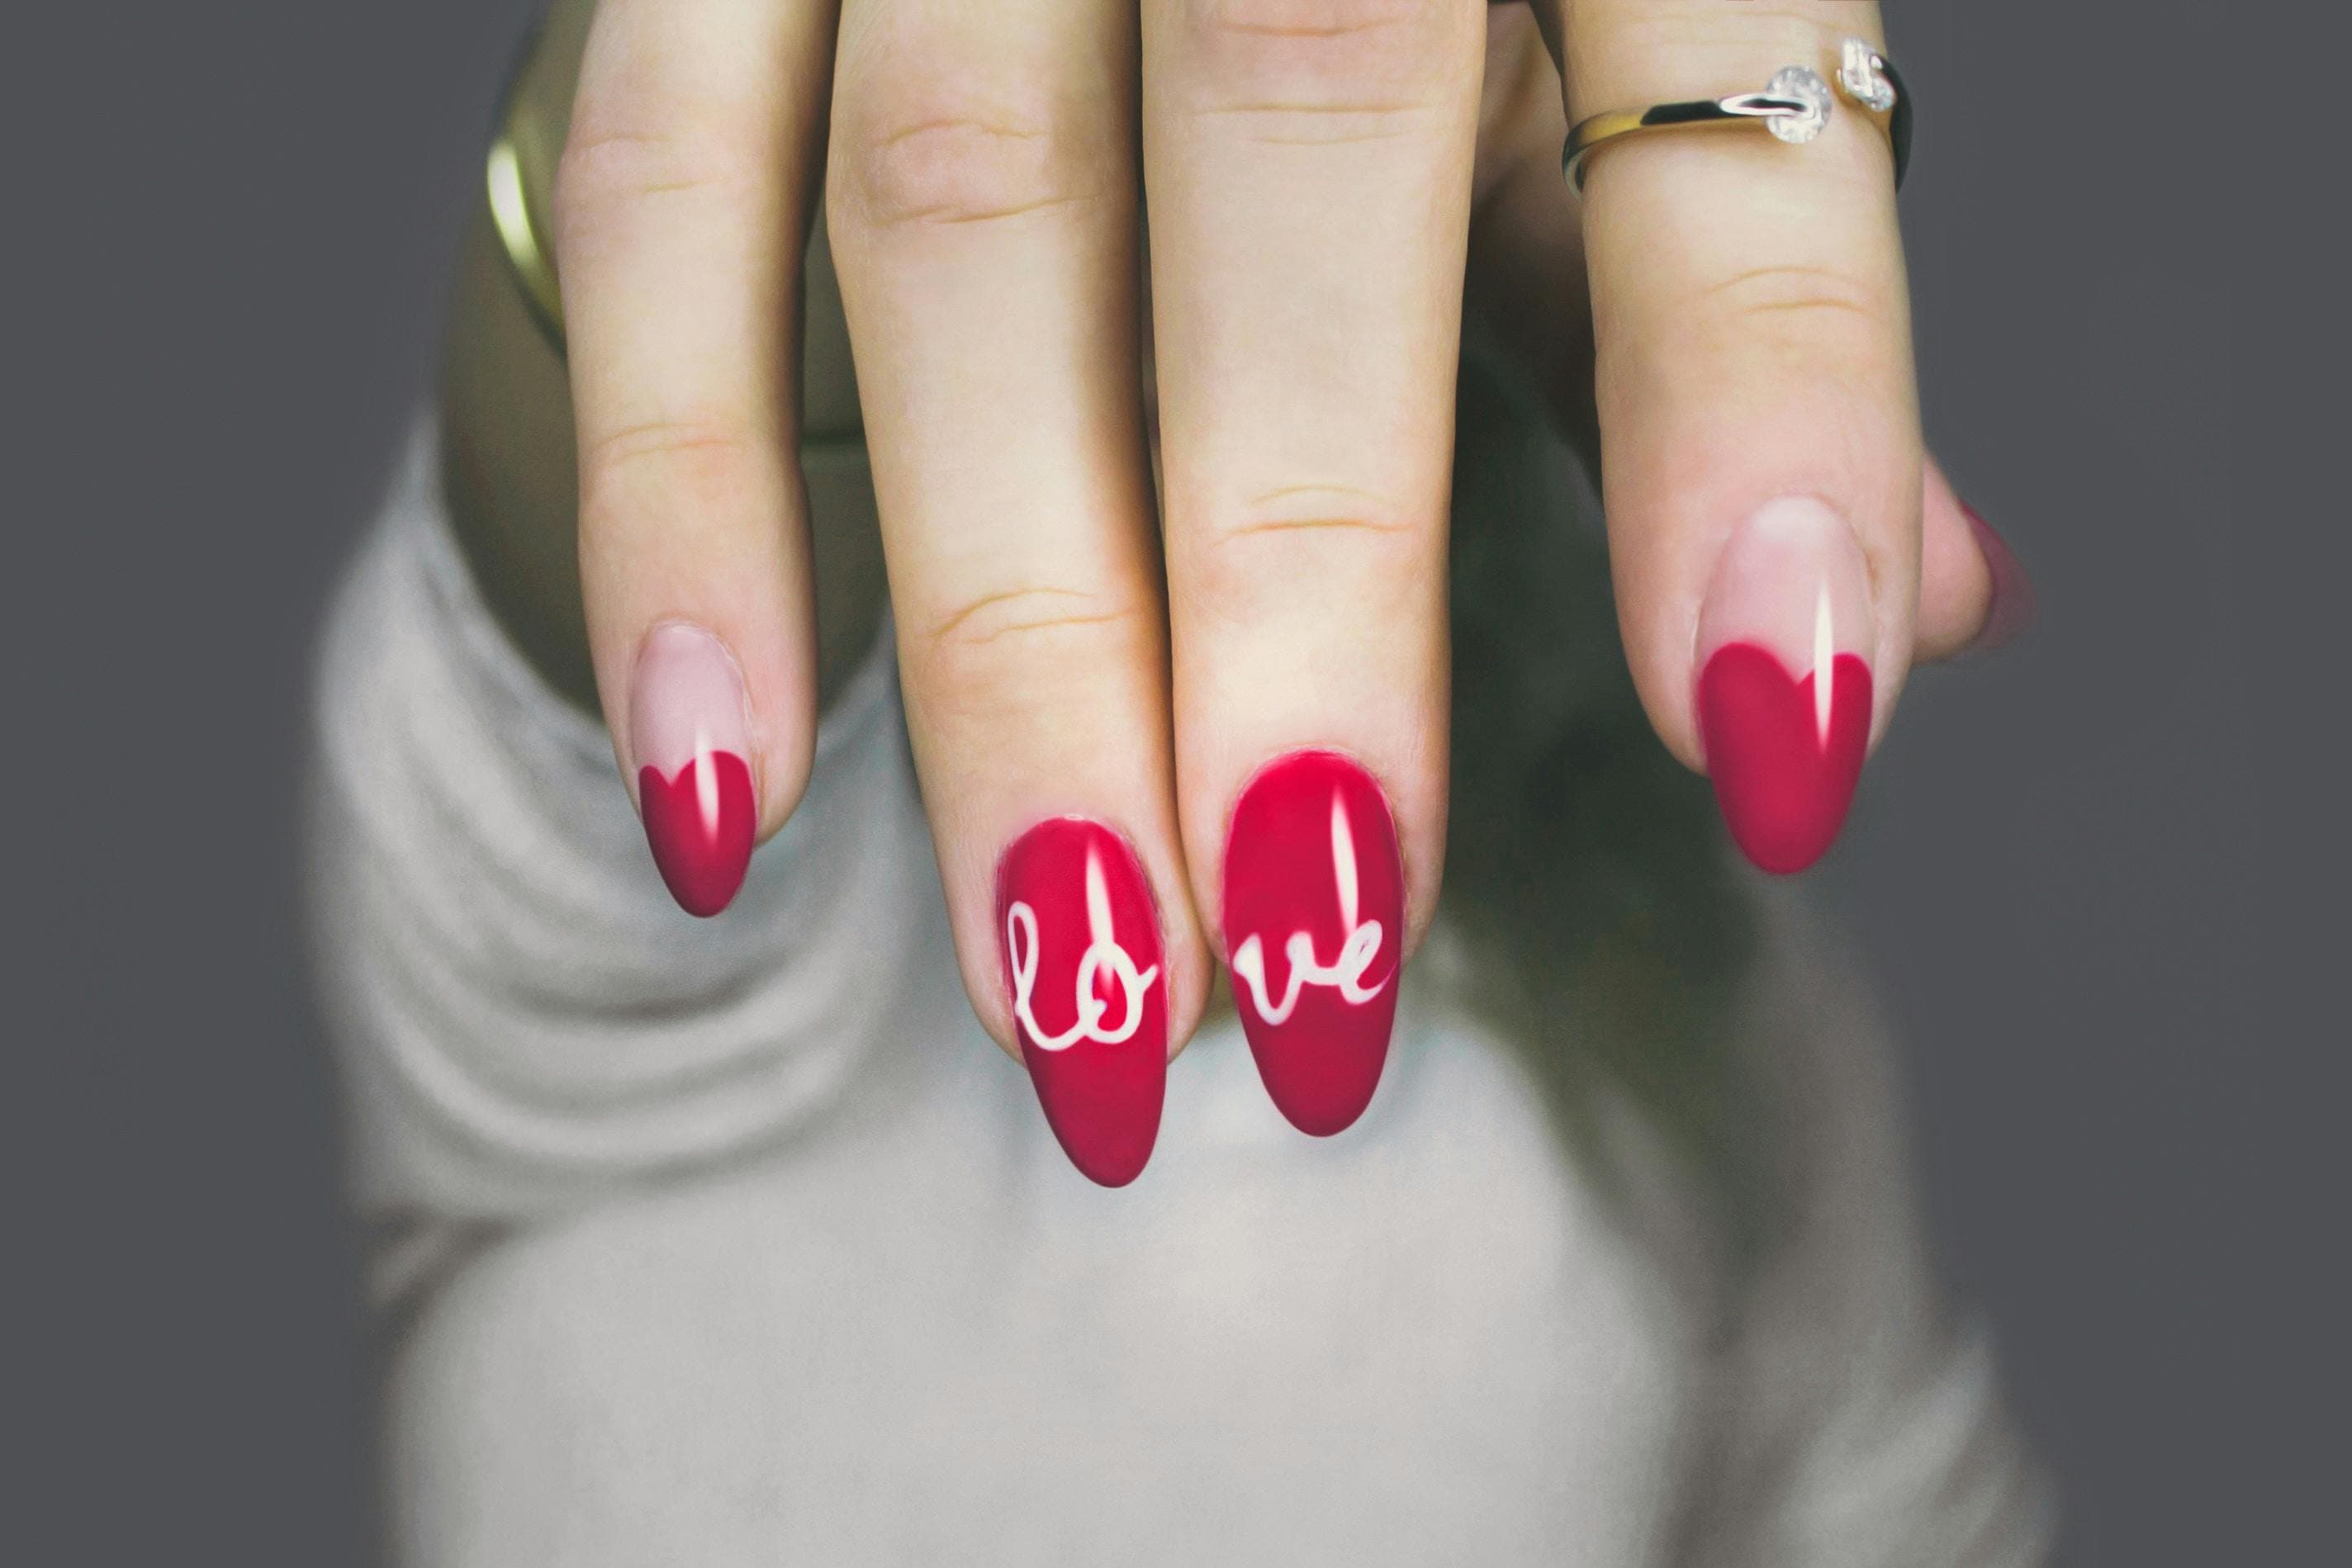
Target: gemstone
<point x="1801" y="86"/>
<point x="1862" y="78"/>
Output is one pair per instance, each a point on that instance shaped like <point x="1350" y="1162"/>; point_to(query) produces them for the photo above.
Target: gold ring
<point x="1794" y="105"/>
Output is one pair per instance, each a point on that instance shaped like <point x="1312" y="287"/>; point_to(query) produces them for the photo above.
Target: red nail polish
<point x="1083" y="967"/>
<point x="1314" y="928"/>
<point x="2013" y="608"/>
<point x="699" y="821"/>
<point x="1784" y="757"/>
<point x="689" y="737"/>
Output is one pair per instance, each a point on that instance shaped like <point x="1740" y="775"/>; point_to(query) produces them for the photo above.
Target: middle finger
<point x="982" y="212"/>
<point x="1308" y="168"/>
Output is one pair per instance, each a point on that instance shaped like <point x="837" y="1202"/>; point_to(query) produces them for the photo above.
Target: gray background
<point x="2099" y="871"/>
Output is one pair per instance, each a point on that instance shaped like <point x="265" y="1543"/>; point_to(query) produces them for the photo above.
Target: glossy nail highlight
<point x="1784" y="687"/>
<point x="692" y="745"/>
<point x="1314" y="932"/>
<point x="1084" y="971"/>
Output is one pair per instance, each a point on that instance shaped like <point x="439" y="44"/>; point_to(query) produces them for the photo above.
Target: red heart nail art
<point x="1314" y="931"/>
<point x="699" y="822"/>
<point x="1784" y="757"/>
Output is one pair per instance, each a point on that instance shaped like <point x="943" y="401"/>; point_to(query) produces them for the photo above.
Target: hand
<point x="1219" y="703"/>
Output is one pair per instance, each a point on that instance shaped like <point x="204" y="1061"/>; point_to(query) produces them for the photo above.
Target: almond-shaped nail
<point x="1314" y="933"/>
<point x="1084" y="968"/>
<point x="1784" y="683"/>
<point x="692" y="746"/>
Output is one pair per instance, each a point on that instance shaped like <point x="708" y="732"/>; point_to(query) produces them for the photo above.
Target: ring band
<point x="1795" y="106"/>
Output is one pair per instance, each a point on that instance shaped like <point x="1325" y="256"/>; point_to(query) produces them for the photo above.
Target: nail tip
<point x="1112" y="1178"/>
<point x="710" y="910"/>
<point x="1329" y="1124"/>
<point x="1108" y="1128"/>
<point x="1321" y="1080"/>
<point x="1779" y="862"/>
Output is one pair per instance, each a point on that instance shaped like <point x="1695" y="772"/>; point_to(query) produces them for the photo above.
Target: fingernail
<point x="1083" y="966"/>
<point x="692" y="748"/>
<point x="1314" y="928"/>
<point x="2013" y="608"/>
<point x="1784" y="684"/>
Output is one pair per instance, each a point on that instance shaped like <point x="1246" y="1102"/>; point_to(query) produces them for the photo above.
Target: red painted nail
<point x="1083" y="967"/>
<point x="2013" y="604"/>
<point x="1314" y="927"/>
<point x="693" y="785"/>
<point x="1784" y="757"/>
<point x="699" y="822"/>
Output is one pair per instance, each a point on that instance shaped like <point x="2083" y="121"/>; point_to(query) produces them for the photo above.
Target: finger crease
<point x="1812" y="304"/>
<point x="964" y="123"/>
<point x="1293" y="524"/>
<point x="947" y="627"/>
<point x="947" y="214"/>
<point x="1047" y="623"/>
<point x="1837" y="284"/>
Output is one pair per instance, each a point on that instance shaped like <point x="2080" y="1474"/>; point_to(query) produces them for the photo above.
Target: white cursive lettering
<point x="1103" y="954"/>
<point x="1357" y="949"/>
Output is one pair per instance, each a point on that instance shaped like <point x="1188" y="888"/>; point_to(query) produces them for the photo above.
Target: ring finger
<point x="1760" y="445"/>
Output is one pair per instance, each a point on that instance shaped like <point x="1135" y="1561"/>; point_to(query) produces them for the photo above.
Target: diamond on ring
<point x="1796" y="108"/>
<point x="1863" y="74"/>
<point x="1805" y="87"/>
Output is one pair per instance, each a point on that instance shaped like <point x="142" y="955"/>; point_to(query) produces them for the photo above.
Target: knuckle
<point x="1797" y="303"/>
<point x="927" y="156"/>
<point x="696" y="465"/>
<point x="1250" y="569"/>
<point x="1317" y="24"/>
<point x="1331" y="69"/>
<point x="986" y="650"/>
<point x="609" y="173"/>
<point x="1667" y="32"/>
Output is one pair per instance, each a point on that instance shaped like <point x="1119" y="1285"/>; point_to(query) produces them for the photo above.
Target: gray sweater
<point x="737" y="1242"/>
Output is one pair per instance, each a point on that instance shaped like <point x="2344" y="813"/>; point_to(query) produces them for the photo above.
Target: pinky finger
<point x="681" y="204"/>
<point x="1974" y="594"/>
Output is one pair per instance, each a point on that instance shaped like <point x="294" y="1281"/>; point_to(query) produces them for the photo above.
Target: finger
<point x="1525" y="284"/>
<point x="1761" y="462"/>
<point x="983" y="218"/>
<point x="1974" y="594"/>
<point x="1308" y="167"/>
<point x="1523" y="292"/>
<point x="681" y="205"/>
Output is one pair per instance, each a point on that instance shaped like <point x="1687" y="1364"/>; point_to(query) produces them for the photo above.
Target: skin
<point x="511" y="465"/>
<point x="1119" y="609"/>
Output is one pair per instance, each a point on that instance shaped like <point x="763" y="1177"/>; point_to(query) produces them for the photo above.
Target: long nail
<point x="692" y="745"/>
<point x="2013" y="605"/>
<point x="1083" y="966"/>
<point x="1314" y="931"/>
<point x="1784" y="685"/>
